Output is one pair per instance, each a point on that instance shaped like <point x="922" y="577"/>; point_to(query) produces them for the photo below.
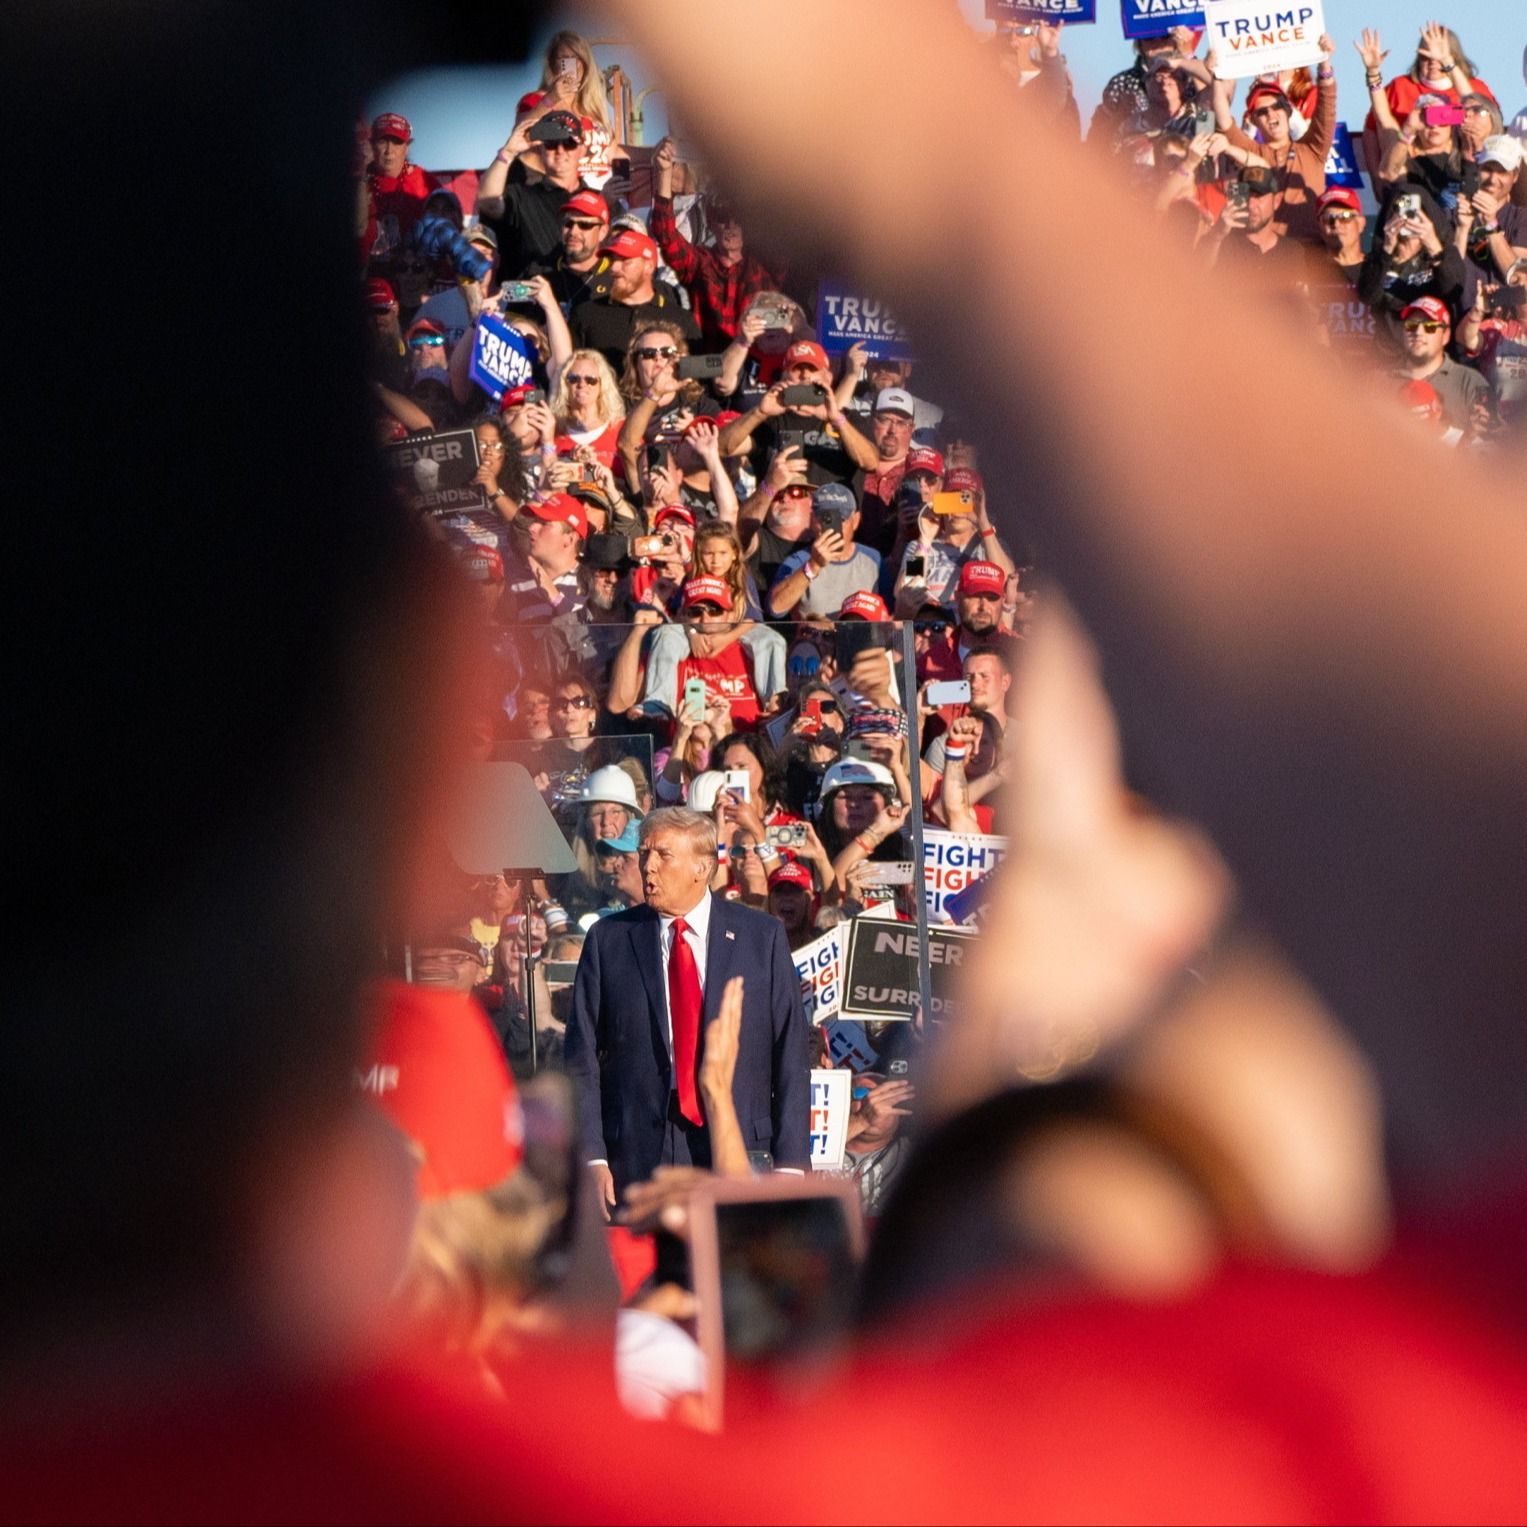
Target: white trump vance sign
<point x="1252" y="38"/>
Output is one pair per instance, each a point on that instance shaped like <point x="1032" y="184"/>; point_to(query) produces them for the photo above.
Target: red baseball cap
<point x="423" y="326"/>
<point x="982" y="578"/>
<point x="1432" y="307"/>
<point x="923" y="458"/>
<point x="792" y="872"/>
<point x="805" y="352"/>
<point x="963" y="480"/>
<point x="1339" y="196"/>
<point x="391" y="125"/>
<point x="380" y="297"/>
<point x="707" y="591"/>
<point x="483" y="565"/>
<point x="561" y="509"/>
<point x="628" y="244"/>
<point x="1266" y="91"/>
<point x="437" y="1071"/>
<point x="515" y="396"/>
<point x="529" y="102"/>
<point x="588" y="204"/>
<point x="726" y="416"/>
<point x="1422" y="398"/>
<point x="674" y="512"/>
<point x="864" y="605"/>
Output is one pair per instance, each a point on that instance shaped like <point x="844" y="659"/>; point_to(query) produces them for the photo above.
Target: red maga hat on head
<point x="561" y="509"/>
<point x="923" y="458"/>
<point x="628" y="244"/>
<point x="437" y="1071"/>
<point x="391" y="125"/>
<point x="983" y="578"/>
<point x="380" y="297"/>
<point x="1429" y="307"/>
<point x="1339" y="196"/>
<point x="707" y="591"/>
<point x="588" y="204"/>
<point x="791" y="872"/>
<point x="805" y="352"/>
<point x="864" y="605"/>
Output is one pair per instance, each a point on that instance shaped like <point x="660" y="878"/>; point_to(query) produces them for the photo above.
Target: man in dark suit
<point x="648" y="982"/>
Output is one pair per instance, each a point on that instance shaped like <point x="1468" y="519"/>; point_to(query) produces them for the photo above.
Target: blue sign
<point x="1155" y="18"/>
<point x="501" y="357"/>
<point x="1341" y="164"/>
<point x="1072" y="12"/>
<point x="845" y="318"/>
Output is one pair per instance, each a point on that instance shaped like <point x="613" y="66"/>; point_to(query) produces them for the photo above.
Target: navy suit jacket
<point x="617" y="1047"/>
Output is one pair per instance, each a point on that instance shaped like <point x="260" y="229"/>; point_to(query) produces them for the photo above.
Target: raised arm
<point x="491" y="183"/>
<point x="1238" y="674"/>
<point x="680" y="254"/>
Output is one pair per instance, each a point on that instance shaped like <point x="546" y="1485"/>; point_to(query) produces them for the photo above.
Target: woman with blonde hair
<point x="718" y="554"/>
<point x="588" y="406"/>
<point x="571" y="81"/>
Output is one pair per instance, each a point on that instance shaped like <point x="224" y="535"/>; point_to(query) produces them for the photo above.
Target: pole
<point x="915" y="775"/>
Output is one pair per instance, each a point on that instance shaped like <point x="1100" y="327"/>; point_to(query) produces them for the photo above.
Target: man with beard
<point x="978" y="615"/>
<point x="580" y="271"/>
<point x="607" y="322"/>
<point x="596" y="628"/>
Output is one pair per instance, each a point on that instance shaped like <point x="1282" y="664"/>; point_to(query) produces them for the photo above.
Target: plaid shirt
<point x="718" y="291"/>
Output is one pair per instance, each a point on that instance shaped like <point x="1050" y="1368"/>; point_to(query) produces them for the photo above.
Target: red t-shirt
<point x="606" y="444"/>
<point x="396" y="202"/>
<point x="1404" y="92"/>
<point x="729" y="676"/>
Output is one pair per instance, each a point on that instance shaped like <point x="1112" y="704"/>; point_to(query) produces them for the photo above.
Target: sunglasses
<point x="585" y="224"/>
<point x="575" y="702"/>
<point x="583" y="381"/>
<point x="705" y="611"/>
<point x="423" y="341"/>
<point x="1337" y="217"/>
<point x="801" y="667"/>
<point x="663" y="353"/>
<point x="490" y="445"/>
<point x="1416" y="325"/>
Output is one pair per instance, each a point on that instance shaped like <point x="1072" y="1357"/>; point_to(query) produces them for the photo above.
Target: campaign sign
<point x="1346" y="318"/>
<point x="1341" y="162"/>
<point x="1155" y="18"/>
<point x="831" y="1100"/>
<point x="436" y="470"/>
<point x="880" y="979"/>
<point x="849" y="1045"/>
<point x="819" y="965"/>
<point x="500" y="356"/>
<point x="1260" y="37"/>
<point x="844" y="319"/>
<point x="1072" y="12"/>
<point x="952" y="861"/>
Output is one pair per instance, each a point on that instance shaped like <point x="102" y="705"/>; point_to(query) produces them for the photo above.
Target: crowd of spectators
<point x="707" y="548"/>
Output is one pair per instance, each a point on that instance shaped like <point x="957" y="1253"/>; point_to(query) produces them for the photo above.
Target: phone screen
<point x="787" y="1276"/>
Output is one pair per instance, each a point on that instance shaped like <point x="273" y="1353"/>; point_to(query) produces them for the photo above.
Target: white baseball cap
<point x="613" y="785"/>
<point x="895" y="400"/>
<point x="1501" y="150"/>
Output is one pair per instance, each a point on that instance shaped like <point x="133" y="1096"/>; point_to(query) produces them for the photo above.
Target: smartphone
<point x="695" y="695"/>
<point x="515" y="291"/>
<point x="568" y="66"/>
<point x="695" y="367"/>
<point x="886" y="872"/>
<point x="949" y="692"/>
<point x="803" y="395"/>
<point x="786" y="835"/>
<point x="560" y="972"/>
<point x="773" y="1263"/>
<point x="777" y="317"/>
<point x="1408" y="207"/>
<point x="829" y="517"/>
<point x="791" y="437"/>
<point x="650" y="546"/>
<point x="1442" y="116"/>
<point x="962" y="502"/>
<point x="737" y="781"/>
<point x="657" y="458"/>
<point x="535" y="395"/>
<point x="1238" y="193"/>
<point x="857" y="748"/>
<point x="917" y="566"/>
<point x="1509" y="299"/>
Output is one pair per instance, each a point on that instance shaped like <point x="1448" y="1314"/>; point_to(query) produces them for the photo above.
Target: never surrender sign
<point x="844" y="319"/>
<point x="1155" y="18"/>
<point x="880" y="979"/>
<point x="500" y="357"/>
<point x="1253" y="38"/>
<point x="436" y="471"/>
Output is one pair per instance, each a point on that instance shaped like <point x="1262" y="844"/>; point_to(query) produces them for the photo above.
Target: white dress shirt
<point x="698" y="936"/>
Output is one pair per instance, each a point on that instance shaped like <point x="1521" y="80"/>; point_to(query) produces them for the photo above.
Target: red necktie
<point x="684" y="1011"/>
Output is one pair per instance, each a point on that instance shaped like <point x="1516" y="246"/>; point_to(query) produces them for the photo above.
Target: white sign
<point x="951" y="861"/>
<point x="819" y="964"/>
<point x="831" y="1099"/>
<point x="1260" y="37"/>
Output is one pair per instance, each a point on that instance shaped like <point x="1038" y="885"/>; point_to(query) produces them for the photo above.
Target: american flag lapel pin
<point x="730" y="934"/>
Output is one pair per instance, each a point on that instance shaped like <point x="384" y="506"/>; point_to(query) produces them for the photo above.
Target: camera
<point x="439" y="238"/>
<point x="803" y="395"/>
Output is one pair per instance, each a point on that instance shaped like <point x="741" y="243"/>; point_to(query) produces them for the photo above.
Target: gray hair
<point x="699" y="828"/>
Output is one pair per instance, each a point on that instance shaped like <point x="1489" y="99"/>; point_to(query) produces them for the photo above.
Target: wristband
<point x="955" y="753"/>
<point x="865" y="844"/>
<point x="1325" y="72"/>
<point x="502" y="156"/>
<point x="810" y="572"/>
<point x="766" y="851"/>
<point x="1375" y="80"/>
